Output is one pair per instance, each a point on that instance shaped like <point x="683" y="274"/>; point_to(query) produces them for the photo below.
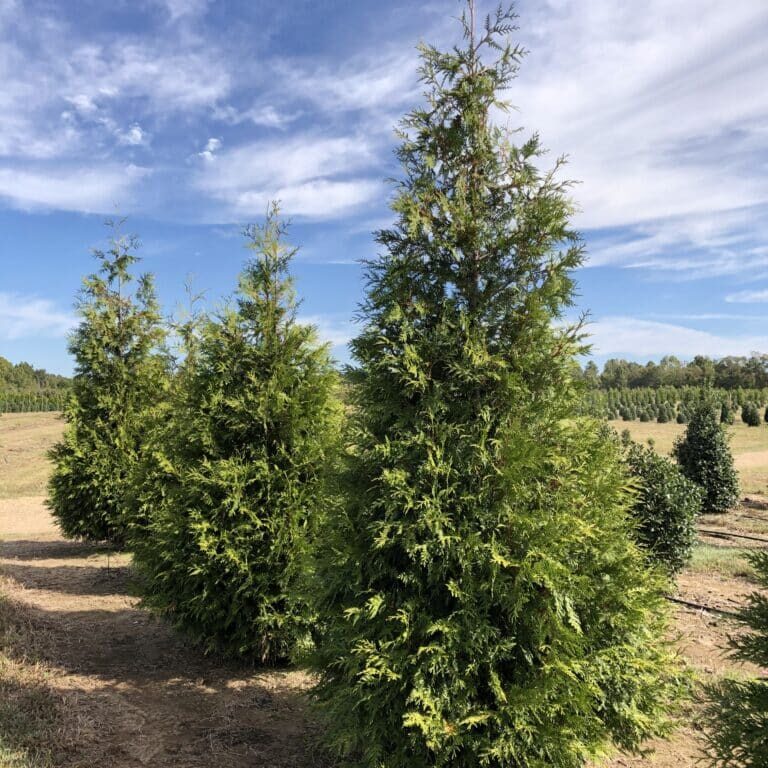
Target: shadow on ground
<point x="87" y="678"/>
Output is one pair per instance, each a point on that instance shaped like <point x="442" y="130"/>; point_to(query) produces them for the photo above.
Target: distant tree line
<point x="668" y="403"/>
<point x="24" y="388"/>
<point x="725" y="373"/>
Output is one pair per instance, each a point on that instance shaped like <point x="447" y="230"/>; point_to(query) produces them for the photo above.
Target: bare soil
<point x="130" y="691"/>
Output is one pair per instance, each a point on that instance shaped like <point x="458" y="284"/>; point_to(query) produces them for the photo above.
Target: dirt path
<point x="128" y="691"/>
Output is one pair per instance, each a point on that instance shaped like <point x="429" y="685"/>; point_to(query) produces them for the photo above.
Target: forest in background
<point x="24" y="388"/>
<point x="723" y="373"/>
<point x="737" y="381"/>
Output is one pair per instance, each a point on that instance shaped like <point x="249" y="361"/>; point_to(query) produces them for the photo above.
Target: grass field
<point x="748" y="444"/>
<point x="88" y="679"/>
<point x="24" y="440"/>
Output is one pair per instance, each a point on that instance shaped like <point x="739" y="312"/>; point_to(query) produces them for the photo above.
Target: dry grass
<point x="24" y="441"/>
<point x="729" y="562"/>
<point x="748" y="444"/>
<point x="30" y="712"/>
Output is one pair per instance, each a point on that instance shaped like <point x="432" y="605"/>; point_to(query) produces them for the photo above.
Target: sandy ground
<point x="142" y="696"/>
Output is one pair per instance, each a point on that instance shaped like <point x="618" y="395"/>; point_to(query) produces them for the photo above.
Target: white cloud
<point x="211" y="147"/>
<point x="663" y="114"/>
<point x="373" y="83"/>
<point x="637" y="338"/>
<point x="311" y="176"/>
<point x="333" y="329"/>
<point x="691" y="247"/>
<point x="134" y="136"/>
<point x="83" y="104"/>
<point x="170" y="80"/>
<point x="180" y="8"/>
<point x="91" y="189"/>
<point x="263" y="115"/>
<point x="63" y="96"/>
<point x="27" y="316"/>
<point x="748" y="297"/>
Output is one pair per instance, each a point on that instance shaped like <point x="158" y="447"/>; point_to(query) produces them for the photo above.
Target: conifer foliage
<point x="234" y="475"/>
<point x="739" y="709"/>
<point x="480" y="600"/>
<point x="120" y="376"/>
<point x="705" y="458"/>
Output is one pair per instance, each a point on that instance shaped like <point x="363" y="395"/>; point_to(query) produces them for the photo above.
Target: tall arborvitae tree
<point x="120" y="376"/>
<point x="235" y="474"/>
<point x="705" y="457"/>
<point x="738" y="711"/>
<point x="480" y="600"/>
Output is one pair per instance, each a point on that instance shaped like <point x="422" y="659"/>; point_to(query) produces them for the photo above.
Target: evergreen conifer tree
<point x="120" y="376"/>
<point x="235" y="476"/>
<point x="738" y="713"/>
<point x="479" y="596"/>
<point x="705" y="457"/>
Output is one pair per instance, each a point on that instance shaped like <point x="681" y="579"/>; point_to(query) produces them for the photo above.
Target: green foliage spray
<point x="234" y="472"/>
<point x="480" y="600"/>
<point x="121" y="375"/>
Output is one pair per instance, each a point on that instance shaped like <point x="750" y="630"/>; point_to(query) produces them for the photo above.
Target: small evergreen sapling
<point x="704" y="457"/>
<point x="750" y="415"/>
<point x="480" y="600"/>
<point x="738" y="712"/>
<point x="234" y="480"/>
<point x="121" y="374"/>
<point x="665" y="508"/>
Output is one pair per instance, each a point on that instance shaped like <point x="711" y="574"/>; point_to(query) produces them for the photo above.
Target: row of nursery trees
<point x="669" y="404"/>
<point x="24" y="388"/>
<point x="452" y="552"/>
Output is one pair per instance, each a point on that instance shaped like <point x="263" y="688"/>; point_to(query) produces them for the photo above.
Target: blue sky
<point x="188" y="116"/>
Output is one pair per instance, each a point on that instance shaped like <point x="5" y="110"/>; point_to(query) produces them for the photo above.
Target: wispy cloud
<point x="312" y="176"/>
<point x="336" y="330"/>
<point x="638" y="338"/>
<point x="748" y="297"/>
<point x="178" y="9"/>
<point x="664" y="118"/>
<point x="28" y="316"/>
<point x="98" y="189"/>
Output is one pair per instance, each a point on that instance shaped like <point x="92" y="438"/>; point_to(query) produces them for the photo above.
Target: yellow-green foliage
<point x="234" y="471"/>
<point x="119" y="377"/>
<point x="481" y="602"/>
<point x="739" y="709"/>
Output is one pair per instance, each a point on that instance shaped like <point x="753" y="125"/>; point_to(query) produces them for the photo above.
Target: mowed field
<point x="749" y="446"/>
<point x="88" y="678"/>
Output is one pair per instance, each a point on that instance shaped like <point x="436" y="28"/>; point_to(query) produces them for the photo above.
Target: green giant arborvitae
<point x="738" y="712"/>
<point x="120" y="376"/>
<point x="480" y="600"/>
<point x="233" y="477"/>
